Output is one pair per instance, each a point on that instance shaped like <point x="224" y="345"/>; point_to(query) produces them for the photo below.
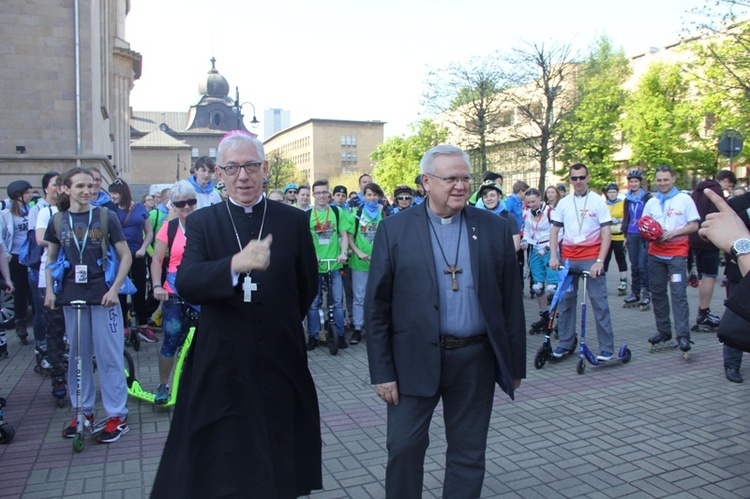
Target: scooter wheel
<point x="6" y="433"/>
<point x="581" y="367"/>
<point x="129" y="368"/>
<point x="78" y="443"/>
<point x="333" y="343"/>
<point x="626" y="355"/>
<point x="540" y="359"/>
<point x="136" y="342"/>
<point x="61" y="402"/>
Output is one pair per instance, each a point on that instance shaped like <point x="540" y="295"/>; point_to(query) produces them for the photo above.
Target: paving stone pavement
<point x="659" y="426"/>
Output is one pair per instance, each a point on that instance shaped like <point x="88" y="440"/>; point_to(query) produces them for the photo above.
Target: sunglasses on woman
<point x="187" y="202"/>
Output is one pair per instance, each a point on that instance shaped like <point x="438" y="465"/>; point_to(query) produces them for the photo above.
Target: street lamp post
<point x="238" y="108"/>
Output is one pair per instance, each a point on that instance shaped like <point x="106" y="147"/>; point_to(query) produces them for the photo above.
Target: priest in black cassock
<point x="247" y="422"/>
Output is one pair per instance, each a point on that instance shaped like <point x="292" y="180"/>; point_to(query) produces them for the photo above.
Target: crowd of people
<point x="253" y="265"/>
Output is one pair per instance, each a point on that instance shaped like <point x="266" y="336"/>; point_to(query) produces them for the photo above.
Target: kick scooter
<point x="624" y="354"/>
<point x="134" y="386"/>
<point x="331" y="336"/>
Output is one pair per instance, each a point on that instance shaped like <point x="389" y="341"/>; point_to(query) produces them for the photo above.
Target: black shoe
<point x="342" y="341"/>
<point x="356" y="337"/>
<point x="733" y="375"/>
<point x="684" y="343"/>
<point x="312" y="342"/>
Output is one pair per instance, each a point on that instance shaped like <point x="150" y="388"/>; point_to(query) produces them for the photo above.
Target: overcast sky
<point x="355" y="60"/>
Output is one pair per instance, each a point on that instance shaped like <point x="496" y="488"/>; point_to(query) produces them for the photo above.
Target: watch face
<point x="742" y="246"/>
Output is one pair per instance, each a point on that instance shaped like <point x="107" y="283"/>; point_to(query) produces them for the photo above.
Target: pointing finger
<point x="718" y="201"/>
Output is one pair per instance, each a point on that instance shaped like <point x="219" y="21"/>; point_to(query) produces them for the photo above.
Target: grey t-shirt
<point x="93" y="290"/>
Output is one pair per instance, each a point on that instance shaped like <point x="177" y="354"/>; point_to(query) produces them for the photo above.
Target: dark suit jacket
<point x="402" y="301"/>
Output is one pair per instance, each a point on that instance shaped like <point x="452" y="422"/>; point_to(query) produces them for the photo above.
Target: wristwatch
<point x="740" y="247"/>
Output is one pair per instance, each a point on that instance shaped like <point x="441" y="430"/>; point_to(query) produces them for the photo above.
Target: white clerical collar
<point x="248" y="209"/>
<point x="438" y="219"/>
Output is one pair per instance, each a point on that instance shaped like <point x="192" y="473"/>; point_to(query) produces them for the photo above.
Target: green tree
<point x="720" y="68"/>
<point x="468" y="96"/>
<point x="282" y="171"/>
<point x="589" y="133"/>
<point x="397" y="159"/>
<point x="663" y="125"/>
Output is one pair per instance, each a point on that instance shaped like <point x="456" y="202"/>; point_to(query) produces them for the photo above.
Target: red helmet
<point x="650" y="228"/>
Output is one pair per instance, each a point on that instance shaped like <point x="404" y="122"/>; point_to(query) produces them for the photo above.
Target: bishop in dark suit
<point x="247" y="422"/>
<point x="445" y="320"/>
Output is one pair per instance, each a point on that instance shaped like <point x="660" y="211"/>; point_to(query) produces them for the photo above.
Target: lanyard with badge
<point x="323" y="237"/>
<point x="580" y="217"/>
<point x="81" y="270"/>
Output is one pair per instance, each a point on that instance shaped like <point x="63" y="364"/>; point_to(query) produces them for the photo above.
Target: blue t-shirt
<point x="133" y="227"/>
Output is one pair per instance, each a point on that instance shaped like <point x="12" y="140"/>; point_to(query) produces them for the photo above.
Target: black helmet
<point x="635" y="174"/>
<point x="611" y="187"/>
<point x="16" y="189"/>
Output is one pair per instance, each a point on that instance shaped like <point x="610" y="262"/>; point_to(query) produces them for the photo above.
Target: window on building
<point x="196" y="152"/>
<point x="217" y="119"/>
<point x="354" y="140"/>
<point x="343" y="140"/>
<point x="212" y="152"/>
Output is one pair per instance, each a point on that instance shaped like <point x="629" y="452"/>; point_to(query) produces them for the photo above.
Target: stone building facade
<point x="323" y="148"/>
<point x="65" y="88"/>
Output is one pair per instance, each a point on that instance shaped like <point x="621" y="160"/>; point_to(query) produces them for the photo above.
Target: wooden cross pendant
<point x="248" y="286"/>
<point x="453" y="271"/>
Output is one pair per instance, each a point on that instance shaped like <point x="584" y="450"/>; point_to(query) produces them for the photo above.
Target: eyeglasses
<point x="403" y="198"/>
<point x="320" y="193"/>
<point x="187" y="202"/>
<point x="454" y="180"/>
<point x="664" y="168"/>
<point x="579" y="178"/>
<point x="235" y="169"/>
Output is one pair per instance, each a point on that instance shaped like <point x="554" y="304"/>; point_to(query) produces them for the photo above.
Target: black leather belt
<point x="456" y="342"/>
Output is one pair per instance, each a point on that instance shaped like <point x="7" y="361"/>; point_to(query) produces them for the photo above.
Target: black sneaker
<point x="70" y="430"/>
<point x="115" y="428"/>
<point x="356" y="337"/>
<point x="312" y="342"/>
<point x="342" y="341"/>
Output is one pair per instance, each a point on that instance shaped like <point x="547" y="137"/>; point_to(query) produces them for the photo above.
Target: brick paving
<point x="659" y="426"/>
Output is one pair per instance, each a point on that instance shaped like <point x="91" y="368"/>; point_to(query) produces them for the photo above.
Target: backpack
<point x="30" y="254"/>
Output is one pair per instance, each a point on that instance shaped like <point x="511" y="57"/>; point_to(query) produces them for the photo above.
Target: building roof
<point x="142" y="122"/>
<point x="321" y="121"/>
<point x="159" y="139"/>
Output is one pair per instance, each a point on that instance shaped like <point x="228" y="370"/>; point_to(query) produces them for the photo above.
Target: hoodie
<point x="705" y="206"/>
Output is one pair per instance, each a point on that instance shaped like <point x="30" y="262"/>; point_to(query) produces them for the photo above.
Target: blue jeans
<point x="336" y="293"/>
<point x="40" y="325"/>
<point x="638" y="254"/>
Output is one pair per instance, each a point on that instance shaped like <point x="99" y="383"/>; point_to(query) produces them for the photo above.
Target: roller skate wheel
<point x="650" y="348"/>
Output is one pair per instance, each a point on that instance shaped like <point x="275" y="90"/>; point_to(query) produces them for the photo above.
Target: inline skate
<point x="706" y="322"/>
<point x="622" y="288"/>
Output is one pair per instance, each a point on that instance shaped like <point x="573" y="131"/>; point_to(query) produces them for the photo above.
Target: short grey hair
<point x="182" y="189"/>
<point x="426" y="164"/>
<point x="236" y="139"/>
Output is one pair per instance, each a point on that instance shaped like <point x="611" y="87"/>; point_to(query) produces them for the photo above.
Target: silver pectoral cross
<point x="248" y="286"/>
